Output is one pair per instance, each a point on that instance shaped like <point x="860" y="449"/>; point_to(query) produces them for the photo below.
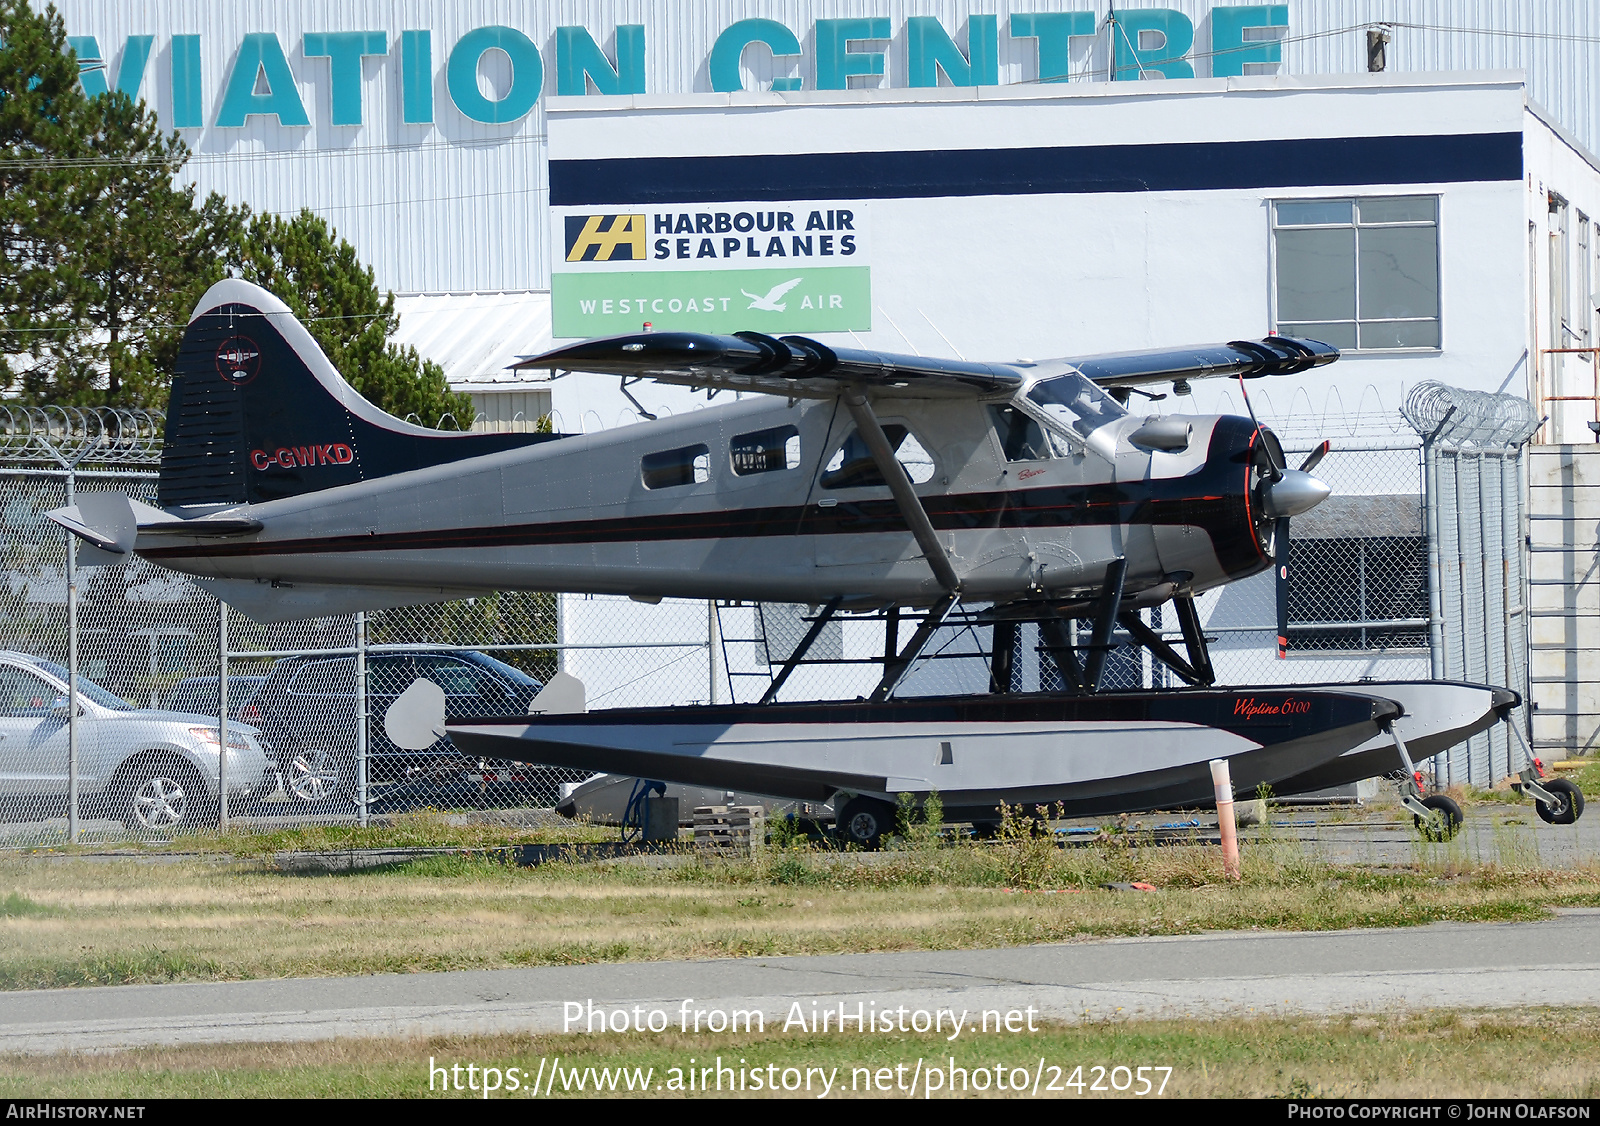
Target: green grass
<point x="16" y="906"/>
<point x="1533" y="1053"/>
<point x="1588" y="780"/>
<point x="75" y="922"/>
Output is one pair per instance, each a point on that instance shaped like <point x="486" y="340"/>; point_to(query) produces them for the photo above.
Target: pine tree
<point x="44" y="124"/>
<point x="101" y="255"/>
<point x="322" y="280"/>
<point x="150" y="255"/>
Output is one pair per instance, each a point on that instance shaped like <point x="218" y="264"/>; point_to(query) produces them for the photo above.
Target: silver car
<point x="151" y="770"/>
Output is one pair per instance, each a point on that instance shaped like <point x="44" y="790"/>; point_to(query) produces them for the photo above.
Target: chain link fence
<point x="1359" y="605"/>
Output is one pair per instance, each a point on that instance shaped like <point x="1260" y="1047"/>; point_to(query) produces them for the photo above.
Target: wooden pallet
<point x="729" y="830"/>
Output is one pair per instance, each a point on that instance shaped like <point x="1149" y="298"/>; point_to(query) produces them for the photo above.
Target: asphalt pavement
<point x="1553" y="963"/>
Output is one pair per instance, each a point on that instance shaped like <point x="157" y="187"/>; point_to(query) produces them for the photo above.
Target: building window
<point x="690" y="465"/>
<point x="1358" y="273"/>
<point x="1561" y="334"/>
<point x="1582" y="312"/>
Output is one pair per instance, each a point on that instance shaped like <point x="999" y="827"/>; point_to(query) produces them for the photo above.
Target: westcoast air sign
<point x="794" y="267"/>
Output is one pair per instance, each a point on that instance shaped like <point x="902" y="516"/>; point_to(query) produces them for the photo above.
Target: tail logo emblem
<point x="238" y="360"/>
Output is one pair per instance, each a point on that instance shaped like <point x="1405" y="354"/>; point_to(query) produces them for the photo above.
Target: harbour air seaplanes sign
<point x="767" y="267"/>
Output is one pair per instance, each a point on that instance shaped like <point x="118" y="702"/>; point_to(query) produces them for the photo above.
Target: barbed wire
<point x="1457" y="416"/>
<point x="87" y="435"/>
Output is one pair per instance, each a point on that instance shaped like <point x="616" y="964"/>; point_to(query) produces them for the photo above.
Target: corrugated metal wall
<point x="461" y="206"/>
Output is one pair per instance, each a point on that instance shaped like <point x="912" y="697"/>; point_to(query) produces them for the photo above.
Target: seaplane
<point x="849" y="480"/>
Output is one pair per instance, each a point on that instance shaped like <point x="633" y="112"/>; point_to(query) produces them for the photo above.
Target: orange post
<point x="1226" y="825"/>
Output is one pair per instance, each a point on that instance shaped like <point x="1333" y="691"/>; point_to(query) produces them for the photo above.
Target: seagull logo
<point x="770" y="303"/>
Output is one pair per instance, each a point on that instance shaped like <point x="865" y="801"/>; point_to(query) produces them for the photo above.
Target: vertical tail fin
<point x="258" y="413"/>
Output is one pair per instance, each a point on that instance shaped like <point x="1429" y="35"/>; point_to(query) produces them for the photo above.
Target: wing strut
<point x="911" y="510"/>
<point x="916" y="517"/>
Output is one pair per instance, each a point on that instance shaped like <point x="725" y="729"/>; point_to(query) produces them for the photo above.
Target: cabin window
<point x="765" y="451"/>
<point x="1075" y="403"/>
<point x="687" y="465"/>
<point x="1358" y="273"/>
<point x="852" y="467"/>
<point x="1021" y="437"/>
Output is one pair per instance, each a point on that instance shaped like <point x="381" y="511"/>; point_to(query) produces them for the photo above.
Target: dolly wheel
<point x="1445" y="822"/>
<point x="863" y="822"/>
<point x="1568" y="806"/>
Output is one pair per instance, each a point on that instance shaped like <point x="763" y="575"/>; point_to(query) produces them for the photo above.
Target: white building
<point x="1016" y="186"/>
<point x="420" y="130"/>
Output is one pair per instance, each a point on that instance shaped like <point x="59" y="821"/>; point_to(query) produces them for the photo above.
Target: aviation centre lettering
<point x="795" y="268"/>
<point x="259" y="80"/>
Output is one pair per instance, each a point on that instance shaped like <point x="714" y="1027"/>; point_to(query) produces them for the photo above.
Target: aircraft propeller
<point x="1287" y="493"/>
<point x="1294" y="491"/>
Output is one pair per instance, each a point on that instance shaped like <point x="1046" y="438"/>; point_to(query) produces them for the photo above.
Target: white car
<point x="150" y="769"/>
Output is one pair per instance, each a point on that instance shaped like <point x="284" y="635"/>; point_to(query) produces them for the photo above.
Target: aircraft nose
<point x="1295" y="493"/>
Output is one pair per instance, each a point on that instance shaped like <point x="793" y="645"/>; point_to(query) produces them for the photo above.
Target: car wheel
<point x="164" y="797"/>
<point x="1568" y="806"/>
<point x="314" y="776"/>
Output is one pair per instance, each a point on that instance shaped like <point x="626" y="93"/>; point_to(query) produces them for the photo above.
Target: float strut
<point x="1158" y="647"/>
<point x="896" y="667"/>
<point x="1105" y="620"/>
<point x="1003" y="656"/>
<point x="1194" y="639"/>
<point x="802" y="649"/>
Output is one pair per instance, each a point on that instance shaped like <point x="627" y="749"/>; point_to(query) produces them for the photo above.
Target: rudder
<point x="258" y="413"/>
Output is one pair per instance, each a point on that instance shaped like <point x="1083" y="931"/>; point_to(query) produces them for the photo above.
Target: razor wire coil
<point x="1459" y="417"/>
<point x="81" y="435"/>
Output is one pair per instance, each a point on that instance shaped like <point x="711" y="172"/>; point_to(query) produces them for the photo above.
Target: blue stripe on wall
<point x="1207" y="166"/>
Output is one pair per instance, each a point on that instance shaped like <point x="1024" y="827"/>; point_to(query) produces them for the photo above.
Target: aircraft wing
<point x="1252" y="359"/>
<point x="801" y="368"/>
<point x="794" y="366"/>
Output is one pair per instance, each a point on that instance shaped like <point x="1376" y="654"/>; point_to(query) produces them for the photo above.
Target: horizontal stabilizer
<point x="801" y="368"/>
<point x="266" y="602"/>
<point x="113" y="538"/>
<point x="112" y="523"/>
<point x="203" y="528"/>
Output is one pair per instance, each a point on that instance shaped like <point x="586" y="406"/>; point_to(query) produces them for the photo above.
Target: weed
<point x="1588" y="780"/>
<point x="787" y="834"/>
<point x="17" y="906"/>
<point x="1027" y="847"/>
<point x="920" y="824"/>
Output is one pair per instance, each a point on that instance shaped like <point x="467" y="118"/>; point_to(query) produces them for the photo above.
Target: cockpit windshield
<point x="1076" y="402"/>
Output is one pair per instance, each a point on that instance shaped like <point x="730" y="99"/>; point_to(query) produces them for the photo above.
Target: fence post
<point x="72" y="670"/>
<point x="711" y="650"/>
<point x="1430" y="507"/>
<point x="222" y="715"/>
<point x="361" y="719"/>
